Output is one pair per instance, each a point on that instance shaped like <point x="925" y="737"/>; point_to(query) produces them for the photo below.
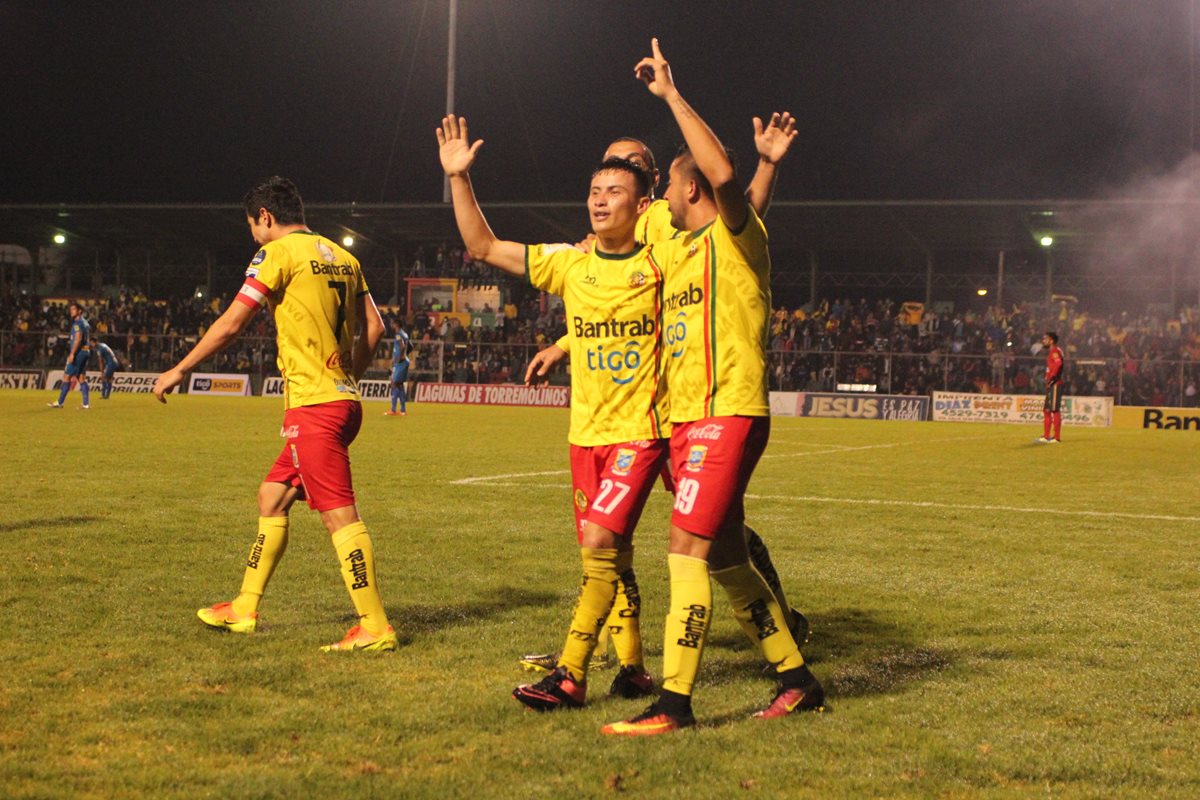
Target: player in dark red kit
<point x="1051" y="411"/>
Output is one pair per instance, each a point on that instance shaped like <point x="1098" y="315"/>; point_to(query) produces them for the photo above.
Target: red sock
<point x="1045" y="424"/>
<point x="1057" y="424"/>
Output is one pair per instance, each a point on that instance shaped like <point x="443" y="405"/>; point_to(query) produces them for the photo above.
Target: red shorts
<point x="712" y="460"/>
<point x="610" y="483"/>
<point x="316" y="458"/>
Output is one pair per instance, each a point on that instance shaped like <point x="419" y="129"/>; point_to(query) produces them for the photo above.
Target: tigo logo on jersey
<point x="696" y="456"/>
<point x="616" y="361"/>
<point x="676" y="332"/>
<point x="624" y="462"/>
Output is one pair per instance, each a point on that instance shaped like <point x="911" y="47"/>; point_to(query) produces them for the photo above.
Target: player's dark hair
<point x="641" y="178"/>
<point x="279" y="196"/>
<point x="646" y="151"/>
<point x="691" y="170"/>
<point x="1053" y="336"/>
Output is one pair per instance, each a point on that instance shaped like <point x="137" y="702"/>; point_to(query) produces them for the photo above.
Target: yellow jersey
<point x="311" y="286"/>
<point x="612" y="304"/>
<point x="716" y="319"/>
<point x="654" y="225"/>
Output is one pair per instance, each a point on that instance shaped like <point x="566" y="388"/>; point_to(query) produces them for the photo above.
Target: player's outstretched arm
<point x="772" y="143"/>
<point x="706" y="148"/>
<point x="457" y="154"/>
<point x="220" y="335"/>
<point x="366" y="342"/>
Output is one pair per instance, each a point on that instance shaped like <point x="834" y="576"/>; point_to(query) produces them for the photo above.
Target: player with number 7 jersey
<point x="311" y="284"/>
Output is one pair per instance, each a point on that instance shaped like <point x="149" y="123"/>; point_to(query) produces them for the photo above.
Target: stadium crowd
<point x="1152" y="358"/>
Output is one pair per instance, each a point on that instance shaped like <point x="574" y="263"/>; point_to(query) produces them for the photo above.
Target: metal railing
<point x="1127" y="381"/>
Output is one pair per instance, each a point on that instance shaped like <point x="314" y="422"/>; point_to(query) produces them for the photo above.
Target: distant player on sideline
<point x="75" y="372"/>
<point x="618" y="410"/>
<point x="319" y="298"/>
<point x="400" y="347"/>
<point x="717" y="305"/>
<point x="109" y="364"/>
<point x="1052" y="408"/>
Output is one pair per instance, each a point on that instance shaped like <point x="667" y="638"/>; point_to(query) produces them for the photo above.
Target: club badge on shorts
<point x="696" y="456"/>
<point x="624" y="461"/>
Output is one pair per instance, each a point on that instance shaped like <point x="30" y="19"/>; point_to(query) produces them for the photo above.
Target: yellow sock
<point x="760" y="557"/>
<point x="357" y="559"/>
<point x="596" y="593"/>
<point x="760" y="616"/>
<point x="265" y="553"/>
<point x="687" y="622"/>
<point x="624" y="621"/>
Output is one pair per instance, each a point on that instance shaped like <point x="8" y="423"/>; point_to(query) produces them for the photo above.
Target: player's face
<point x="613" y="203"/>
<point x="75" y="311"/>
<point x="631" y="151"/>
<point x="1047" y="341"/>
<point x="676" y="196"/>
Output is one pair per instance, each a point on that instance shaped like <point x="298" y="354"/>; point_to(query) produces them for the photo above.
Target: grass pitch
<point x="991" y="618"/>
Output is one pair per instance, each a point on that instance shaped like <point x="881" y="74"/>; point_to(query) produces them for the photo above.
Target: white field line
<point x="867" y="501"/>
<point x="492" y="478"/>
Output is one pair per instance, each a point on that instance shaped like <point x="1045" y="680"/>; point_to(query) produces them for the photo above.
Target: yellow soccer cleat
<point x="223" y="617"/>
<point x="357" y="638"/>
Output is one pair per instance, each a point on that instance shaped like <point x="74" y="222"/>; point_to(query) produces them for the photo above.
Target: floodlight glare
<point x="60" y="239"/>
<point x="1047" y="241"/>
<point x="348" y="241"/>
<point x="981" y="292"/>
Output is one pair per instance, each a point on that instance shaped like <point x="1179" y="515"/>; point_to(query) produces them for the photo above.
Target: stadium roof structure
<point x="904" y="225"/>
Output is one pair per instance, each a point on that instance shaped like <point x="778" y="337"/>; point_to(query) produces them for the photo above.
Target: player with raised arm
<point x="75" y="372"/>
<point x="109" y="364"/>
<point x="772" y="142"/>
<point x="1052" y="408"/>
<point x="400" y="346"/>
<point x="618" y="431"/>
<point x="319" y="298"/>
<point x="716" y="314"/>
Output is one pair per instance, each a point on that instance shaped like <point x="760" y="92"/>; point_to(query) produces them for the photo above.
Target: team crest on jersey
<point x="326" y="252"/>
<point x="637" y="279"/>
<point x="696" y="456"/>
<point x="259" y="257"/>
<point x="624" y="462"/>
<point x="692" y="250"/>
<point x="581" y="500"/>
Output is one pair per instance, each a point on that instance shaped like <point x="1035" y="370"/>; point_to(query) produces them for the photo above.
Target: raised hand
<point x="655" y="72"/>
<point x="773" y="141"/>
<point x="454" y="148"/>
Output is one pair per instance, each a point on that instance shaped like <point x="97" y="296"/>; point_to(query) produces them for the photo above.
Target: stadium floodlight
<point x="348" y="241"/>
<point x="1046" y="241"/>
<point x="60" y="238"/>
<point x="981" y="292"/>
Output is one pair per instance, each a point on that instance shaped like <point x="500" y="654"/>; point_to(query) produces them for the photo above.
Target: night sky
<point x="905" y="99"/>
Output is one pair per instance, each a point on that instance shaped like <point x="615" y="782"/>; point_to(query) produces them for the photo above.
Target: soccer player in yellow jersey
<point x="772" y="142"/>
<point x="319" y="299"/>
<point x="611" y="295"/>
<point x="715" y="318"/>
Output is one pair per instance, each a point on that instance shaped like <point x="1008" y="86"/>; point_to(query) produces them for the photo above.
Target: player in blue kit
<point x="400" y="347"/>
<point x="77" y="358"/>
<point x="109" y="364"/>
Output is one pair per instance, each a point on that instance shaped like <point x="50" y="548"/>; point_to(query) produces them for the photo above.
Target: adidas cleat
<point x="651" y="722"/>
<point x="358" y="638"/>
<point x="631" y="683"/>
<point x="556" y="690"/>
<point x="223" y="617"/>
